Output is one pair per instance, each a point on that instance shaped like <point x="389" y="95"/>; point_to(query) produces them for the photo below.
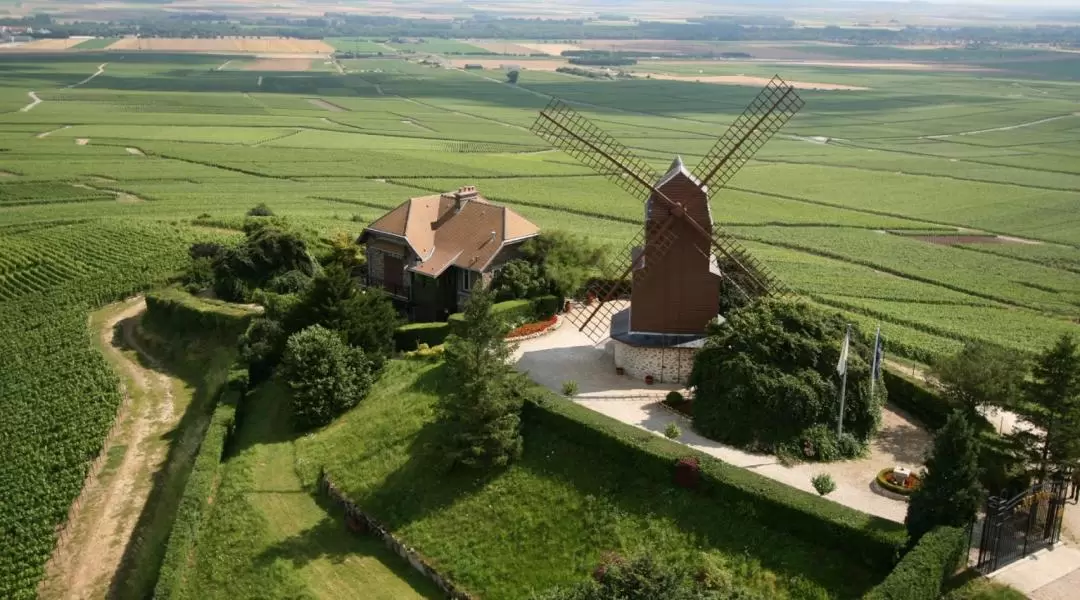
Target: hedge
<point x="511" y="310"/>
<point x="546" y="307"/>
<point x="918" y="400"/>
<point x="408" y="337"/>
<point x="194" y="501"/>
<point x="864" y="537"/>
<point x="174" y="309"/>
<point x="922" y="573"/>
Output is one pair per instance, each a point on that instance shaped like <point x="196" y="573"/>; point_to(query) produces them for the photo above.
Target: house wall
<point x="666" y="365"/>
<point x="376" y="252"/>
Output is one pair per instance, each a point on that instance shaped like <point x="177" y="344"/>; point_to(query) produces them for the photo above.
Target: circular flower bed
<point x="887" y="480"/>
<point x="532" y="329"/>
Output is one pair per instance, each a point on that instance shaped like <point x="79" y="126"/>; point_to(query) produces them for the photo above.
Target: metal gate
<point x="1016" y="527"/>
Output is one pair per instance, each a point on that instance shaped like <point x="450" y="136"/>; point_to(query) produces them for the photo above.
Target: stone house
<point x="431" y="252"/>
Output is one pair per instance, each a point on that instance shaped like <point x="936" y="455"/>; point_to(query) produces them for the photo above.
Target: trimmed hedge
<point x="922" y="573"/>
<point x="922" y="403"/>
<point x="194" y="501"/>
<point x="874" y="540"/>
<point x="173" y="309"/>
<point x="546" y="307"/>
<point x="409" y="337"/>
<point x="511" y="310"/>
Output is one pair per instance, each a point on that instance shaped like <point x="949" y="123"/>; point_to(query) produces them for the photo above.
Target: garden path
<point x="567" y="354"/>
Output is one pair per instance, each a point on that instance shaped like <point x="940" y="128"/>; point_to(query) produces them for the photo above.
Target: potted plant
<point x="566" y="306"/>
<point x="648" y="380"/>
<point x="620" y="371"/>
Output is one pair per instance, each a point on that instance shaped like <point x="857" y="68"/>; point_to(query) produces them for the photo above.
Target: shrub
<point x="292" y="282"/>
<point x="546" y="307"/>
<point x="517" y="279"/>
<point x="823" y="484"/>
<point x="509" y="312"/>
<point x="688" y="473"/>
<point x="674" y="397"/>
<point x="767" y="378"/>
<point x="569" y="388"/>
<point x="260" y="210"/>
<point x="923" y="572"/>
<point x="327" y="376"/>
<point x="410" y="337"/>
<point x="641" y="578"/>
<point x="199" y="275"/>
<point x="672" y="431"/>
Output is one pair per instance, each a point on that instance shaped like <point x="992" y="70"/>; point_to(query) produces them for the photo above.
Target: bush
<point x="509" y="313"/>
<point x="672" y="431"/>
<point x="872" y="539"/>
<point x="517" y="279"/>
<point x="260" y="210"/>
<point x="569" y="388"/>
<point x="950" y="493"/>
<point x="199" y="275"/>
<point x="823" y="484"/>
<point x="409" y="337"/>
<point x="916" y="399"/>
<point x="674" y="397"/>
<point x="292" y="282"/>
<point x="327" y="376"/>
<point x="766" y="380"/>
<point x="546" y="307"/>
<point x="688" y="473"/>
<point x="922" y="573"/>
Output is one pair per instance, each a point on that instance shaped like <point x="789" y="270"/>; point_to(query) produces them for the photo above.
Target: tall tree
<point x="326" y="375"/>
<point x="950" y="493"/>
<point x="484" y="406"/>
<point x="1053" y="405"/>
<point x="981" y="375"/>
<point x="565" y="260"/>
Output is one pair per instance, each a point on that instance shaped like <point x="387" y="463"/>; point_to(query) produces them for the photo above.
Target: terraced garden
<point x="104" y="183"/>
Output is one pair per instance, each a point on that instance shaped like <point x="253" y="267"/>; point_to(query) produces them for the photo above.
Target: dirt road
<point x="101" y="521"/>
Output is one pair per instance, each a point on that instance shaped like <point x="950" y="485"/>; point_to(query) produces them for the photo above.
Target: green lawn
<point x="547" y="519"/>
<point x="267" y="536"/>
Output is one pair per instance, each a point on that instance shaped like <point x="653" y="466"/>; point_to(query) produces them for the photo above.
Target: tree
<point x="766" y="380"/>
<point x="366" y="318"/>
<point x="484" y="406"/>
<point x="260" y="210"/>
<point x="326" y="375"/>
<point x="1053" y="406"/>
<point x="518" y="279"/>
<point x="981" y="375"/>
<point x="513" y="76"/>
<point x="267" y="251"/>
<point x="565" y="260"/>
<point x="950" y="493"/>
<point x="344" y="251"/>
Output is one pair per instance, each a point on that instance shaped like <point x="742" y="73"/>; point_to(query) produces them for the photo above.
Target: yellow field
<point x="50" y="44"/>
<point x="551" y="49"/>
<point x="748" y="80"/>
<point x="274" y="45"/>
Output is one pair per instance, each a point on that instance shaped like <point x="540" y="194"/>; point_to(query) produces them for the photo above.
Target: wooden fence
<point x="359" y="522"/>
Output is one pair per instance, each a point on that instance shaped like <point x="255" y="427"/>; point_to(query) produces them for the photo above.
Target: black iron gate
<point x="1016" y="527"/>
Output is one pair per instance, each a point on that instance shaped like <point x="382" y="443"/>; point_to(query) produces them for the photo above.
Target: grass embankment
<point x="547" y="519"/>
<point x="267" y="537"/>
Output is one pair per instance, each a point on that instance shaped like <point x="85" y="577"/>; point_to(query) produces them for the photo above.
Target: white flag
<point x="841" y="366"/>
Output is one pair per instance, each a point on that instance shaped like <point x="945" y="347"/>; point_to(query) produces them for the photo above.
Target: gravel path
<point x="568" y="354"/>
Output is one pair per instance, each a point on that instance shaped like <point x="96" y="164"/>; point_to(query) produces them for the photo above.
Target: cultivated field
<point x="178" y="150"/>
<point x="272" y="45"/>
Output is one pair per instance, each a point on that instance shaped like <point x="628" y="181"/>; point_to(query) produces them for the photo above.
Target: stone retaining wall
<point x="666" y="365"/>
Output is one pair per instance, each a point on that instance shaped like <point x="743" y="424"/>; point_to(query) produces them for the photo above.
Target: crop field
<point x="113" y="162"/>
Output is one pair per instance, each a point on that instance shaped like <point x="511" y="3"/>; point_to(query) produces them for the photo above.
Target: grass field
<point x="113" y="162"/>
<point x="545" y="521"/>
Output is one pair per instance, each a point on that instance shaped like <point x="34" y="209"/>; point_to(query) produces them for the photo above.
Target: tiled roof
<point x="460" y="228"/>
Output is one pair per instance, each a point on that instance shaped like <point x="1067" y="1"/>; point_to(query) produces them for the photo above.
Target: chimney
<point x="463" y="195"/>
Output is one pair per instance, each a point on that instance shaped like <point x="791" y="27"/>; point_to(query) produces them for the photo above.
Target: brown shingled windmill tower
<point x="676" y="266"/>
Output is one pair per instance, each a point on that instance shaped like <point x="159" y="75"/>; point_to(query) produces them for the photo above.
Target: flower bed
<point x="885" y="480"/>
<point x="532" y="329"/>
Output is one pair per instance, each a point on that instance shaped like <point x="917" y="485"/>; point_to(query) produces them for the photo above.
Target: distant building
<point x="474" y="67"/>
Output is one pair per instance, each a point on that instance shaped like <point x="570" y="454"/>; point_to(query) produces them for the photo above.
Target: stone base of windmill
<point x="651" y="357"/>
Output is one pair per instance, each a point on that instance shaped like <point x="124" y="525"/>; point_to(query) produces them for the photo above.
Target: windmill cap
<point x="677" y="164"/>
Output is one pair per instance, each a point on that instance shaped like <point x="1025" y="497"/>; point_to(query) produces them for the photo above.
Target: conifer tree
<point x="950" y="493"/>
<point x="1053" y="406"/>
<point x="484" y="404"/>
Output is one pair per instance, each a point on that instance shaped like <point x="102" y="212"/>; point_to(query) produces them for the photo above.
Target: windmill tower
<point x="675" y="267"/>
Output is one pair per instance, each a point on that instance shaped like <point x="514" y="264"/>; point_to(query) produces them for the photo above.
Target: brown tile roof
<point x="443" y="234"/>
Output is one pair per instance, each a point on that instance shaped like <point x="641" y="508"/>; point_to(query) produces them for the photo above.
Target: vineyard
<point x="104" y="183"/>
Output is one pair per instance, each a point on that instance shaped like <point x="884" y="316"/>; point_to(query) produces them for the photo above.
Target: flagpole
<point x="843" y="390"/>
<point x="874" y="366"/>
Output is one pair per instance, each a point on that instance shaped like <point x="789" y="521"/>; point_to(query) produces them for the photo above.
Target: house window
<point x="465" y="280"/>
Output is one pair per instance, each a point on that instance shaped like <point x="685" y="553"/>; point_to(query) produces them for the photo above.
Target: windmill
<point x="675" y="266"/>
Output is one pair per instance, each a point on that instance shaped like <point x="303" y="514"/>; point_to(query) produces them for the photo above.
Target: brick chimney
<point x="463" y="195"/>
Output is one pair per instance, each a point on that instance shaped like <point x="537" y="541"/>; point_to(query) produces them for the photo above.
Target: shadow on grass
<point x="141" y="560"/>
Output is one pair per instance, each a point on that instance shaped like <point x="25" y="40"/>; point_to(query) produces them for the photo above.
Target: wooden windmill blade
<point x="569" y="131"/>
<point x="762" y="281"/>
<point x="774" y="106"/>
